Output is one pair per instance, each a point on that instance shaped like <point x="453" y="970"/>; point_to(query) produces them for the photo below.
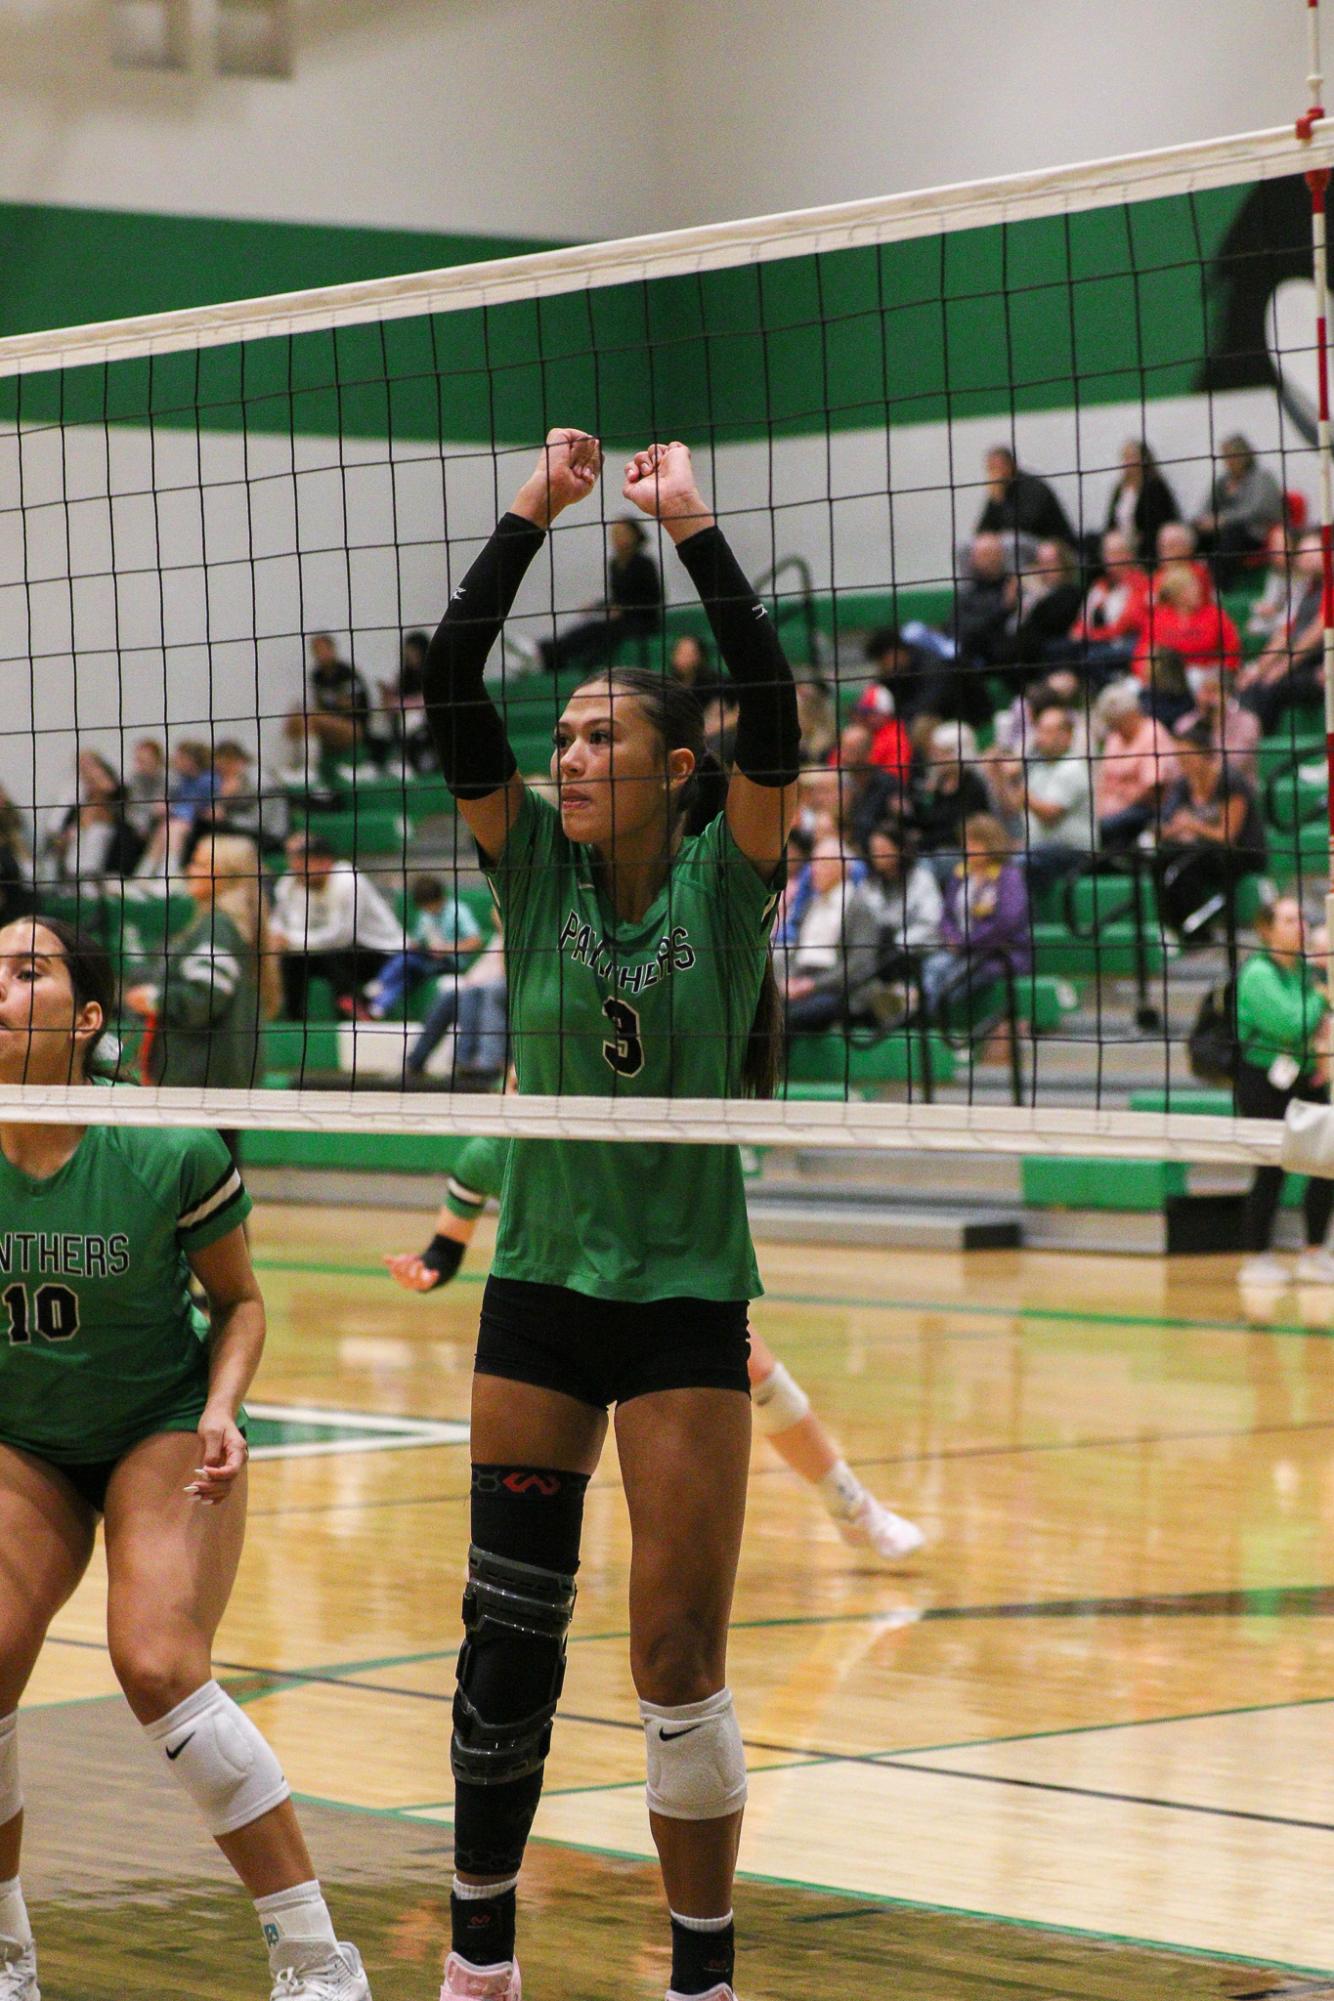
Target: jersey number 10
<point x="53" y="1311"/>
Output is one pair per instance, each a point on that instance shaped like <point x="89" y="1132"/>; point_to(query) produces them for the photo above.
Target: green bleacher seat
<point x="1300" y="795"/>
<point x="835" y="1058"/>
<point x="1111" y="955"/>
<point x="1109" y="898"/>
<point x="356" y="832"/>
<point x="1286" y="746"/>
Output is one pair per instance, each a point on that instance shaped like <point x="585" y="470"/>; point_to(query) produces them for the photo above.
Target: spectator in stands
<point x="1115" y="612"/>
<point x="16" y="898"/>
<point x="475" y="1003"/>
<point x="1231" y="729"/>
<point x="335" y="716"/>
<point x="1167" y="692"/>
<point x="893" y="930"/>
<point x="867" y="792"/>
<point x="984" y="601"/>
<point x="984" y="926"/>
<point x="1042" y="604"/>
<point x="94" y="840"/>
<point x="690" y="663"/>
<point x="1141" y="500"/>
<point x="329" y="922"/>
<point x="1212" y="835"/>
<point x="796" y="891"/>
<point x="403" y="709"/>
<point x="632" y="608"/>
<point x="916" y="680"/>
<point x="190" y="790"/>
<point x="146" y="789"/>
<point x="1178" y="543"/>
<point x="1245" y="502"/>
<point x="1053" y="788"/>
<point x="1283" y="1053"/>
<point x="1020" y="506"/>
<point x="1272" y="613"/>
<point x="949" y="789"/>
<point x="1185" y="620"/>
<point x="443" y="933"/>
<point x="205" y="1005"/>
<point x="1290" y="671"/>
<point x="815" y="987"/>
<point x="234" y="805"/>
<point x="817" y="723"/>
<point x="1135" y="763"/>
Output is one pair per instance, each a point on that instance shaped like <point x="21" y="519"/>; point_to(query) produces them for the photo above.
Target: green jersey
<point x="602" y="1007"/>
<point x="99" y="1343"/>
<point x="210" y="1026"/>
<point x="478" y="1172"/>
<point x="1279" y="1011"/>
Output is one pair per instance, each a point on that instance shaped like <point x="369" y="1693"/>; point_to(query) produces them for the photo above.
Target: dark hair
<point x="885" y="639"/>
<point x="418" y="641"/>
<point x="636" y="527"/>
<point x="318" y="845"/>
<point x="674" y="712"/>
<point x="1051" y="701"/>
<point x="90" y="977"/>
<point x="229" y="747"/>
<point x="427" y="889"/>
<point x="1198" y="737"/>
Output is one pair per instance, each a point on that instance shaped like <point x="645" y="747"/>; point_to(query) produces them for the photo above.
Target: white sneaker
<point x="314" y="1973"/>
<point x="874" y="1526"/>
<point x="1262" y="1271"/>
<point x="464" y="1982"/>
<point x="18" y="1971"/>
<point x="1315" y="1268"/>
<point x="723" y="1993"/>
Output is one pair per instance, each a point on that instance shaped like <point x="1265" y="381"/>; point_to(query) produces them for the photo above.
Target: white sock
<point x="473" y="1893"/>
<point x="298" y="1916"/>
<point x="701" y="1924"/>
<point x="14" y="1913"/>
<point x="842" y="1491"/>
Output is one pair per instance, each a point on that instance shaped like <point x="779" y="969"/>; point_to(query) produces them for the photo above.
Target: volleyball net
<point x="1028" y="474"/>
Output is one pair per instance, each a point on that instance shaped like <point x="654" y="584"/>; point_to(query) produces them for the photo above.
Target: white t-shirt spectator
<point x="1061" y="781"/>
<point x="346" y="909"/>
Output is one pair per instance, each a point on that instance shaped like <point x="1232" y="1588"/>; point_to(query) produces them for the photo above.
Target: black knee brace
<point x="517" y="1608"/>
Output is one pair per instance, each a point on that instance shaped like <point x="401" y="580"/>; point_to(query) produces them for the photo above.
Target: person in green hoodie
<point x="218" y="982"/>
<point x="1282" y="1043"/>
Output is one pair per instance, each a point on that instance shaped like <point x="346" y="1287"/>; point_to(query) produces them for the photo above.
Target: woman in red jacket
<point x="1183" y="620"/>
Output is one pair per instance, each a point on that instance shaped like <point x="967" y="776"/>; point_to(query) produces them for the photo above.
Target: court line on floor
<point x="1091" y="1317"/>
<point x="874" y="1900"/>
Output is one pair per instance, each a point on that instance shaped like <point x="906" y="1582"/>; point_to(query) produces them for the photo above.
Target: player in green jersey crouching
<point x="117" y="1400"/>
<point x="782" y="1408"/>
<point x="638" y="964"/>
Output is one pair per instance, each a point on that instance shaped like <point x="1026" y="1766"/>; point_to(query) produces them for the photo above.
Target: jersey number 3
<point x="626" y="1053"/>
<point x="53" y="1310"/>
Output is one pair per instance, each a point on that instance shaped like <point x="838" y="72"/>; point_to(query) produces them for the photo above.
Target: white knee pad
<point x="220" y="1758"/>
<point x="11" y="1793"/>
<point x="779" y="1402"/>
<point x="696" y="1761"/>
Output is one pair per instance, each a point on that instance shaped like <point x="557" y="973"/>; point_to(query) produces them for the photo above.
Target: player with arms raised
<point x="638" y="963"/>
<point x="116" y="1400"/>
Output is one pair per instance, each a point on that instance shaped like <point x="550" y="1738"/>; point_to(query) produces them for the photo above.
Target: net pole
<point x="1317" y="180"/>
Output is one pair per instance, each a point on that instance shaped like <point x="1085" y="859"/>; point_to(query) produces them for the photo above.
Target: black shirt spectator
<point x="690" y="664"/>
<point x="336" y="688"/>
<point x="632" y="608"/>
<point x="1020" y="503"/>
<point x="982" y="607"/>
<point x="1141" y="501"/>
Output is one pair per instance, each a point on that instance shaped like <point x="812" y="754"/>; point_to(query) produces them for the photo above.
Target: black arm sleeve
<point x="465" y="724"/>
<point x="768" y="738"/>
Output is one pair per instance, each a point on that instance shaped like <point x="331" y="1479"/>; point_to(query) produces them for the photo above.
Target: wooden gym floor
<point x="1079" y="1747"/>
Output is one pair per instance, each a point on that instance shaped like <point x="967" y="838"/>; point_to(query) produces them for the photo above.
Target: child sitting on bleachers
<point x="443" y="932"/>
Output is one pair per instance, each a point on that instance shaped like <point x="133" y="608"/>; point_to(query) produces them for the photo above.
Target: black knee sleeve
<point x="517" y="1607"/>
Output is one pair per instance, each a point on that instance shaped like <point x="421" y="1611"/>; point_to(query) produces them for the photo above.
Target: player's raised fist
<point x="567" y="470"/>
<point x="661" y="480"/>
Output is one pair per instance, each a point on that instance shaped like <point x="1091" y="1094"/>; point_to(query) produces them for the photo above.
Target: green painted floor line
<point x="870" y="1897"/>
<point x="1058" y="1315"/>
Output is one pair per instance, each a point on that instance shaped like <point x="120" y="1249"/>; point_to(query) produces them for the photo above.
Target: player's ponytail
<point x="674" y="711"/>
<point x="91" y="978"/>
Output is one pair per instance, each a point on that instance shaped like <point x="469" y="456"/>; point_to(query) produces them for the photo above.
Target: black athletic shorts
<point x="606" y="1351"/>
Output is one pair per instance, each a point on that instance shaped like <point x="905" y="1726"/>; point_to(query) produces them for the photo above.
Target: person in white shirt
<point x="816" y="982"/>
<point x="330" y="922"/>
<point x="1053" y="786"/>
